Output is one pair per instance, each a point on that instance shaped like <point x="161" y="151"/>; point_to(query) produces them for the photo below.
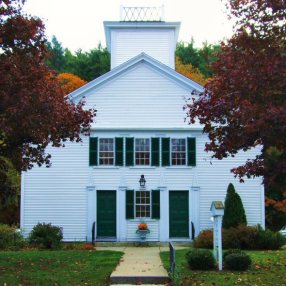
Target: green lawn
<point x="57" y="267"/>
<point x="268" y="268"/>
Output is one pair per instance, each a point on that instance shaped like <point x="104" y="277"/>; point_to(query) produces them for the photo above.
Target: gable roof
<point x="141" y="58"/>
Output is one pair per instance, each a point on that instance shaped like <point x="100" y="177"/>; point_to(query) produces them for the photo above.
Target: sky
<point x="78" y="24"/>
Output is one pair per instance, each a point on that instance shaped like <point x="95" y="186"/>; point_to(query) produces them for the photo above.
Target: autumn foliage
<point x="244" y="104"/>
<point x="70" y="82"/>
<point x="33" y="111"/>
<point x="190" y="71"/>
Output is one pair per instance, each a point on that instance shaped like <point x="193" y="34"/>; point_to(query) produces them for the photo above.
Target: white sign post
<point x="217" y="210"/>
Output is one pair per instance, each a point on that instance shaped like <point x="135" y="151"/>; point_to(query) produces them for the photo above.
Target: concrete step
<point x="136" y="280"/>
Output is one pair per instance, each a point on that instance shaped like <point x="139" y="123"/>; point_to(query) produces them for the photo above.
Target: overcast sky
<point x="78" y="24"/>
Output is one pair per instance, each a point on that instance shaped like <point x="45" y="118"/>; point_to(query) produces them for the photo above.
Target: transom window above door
<point x="142" y="151"/>
<point x="142" y="205"/>
<point x="178" y="151"/>
<point x="106" y="151"/>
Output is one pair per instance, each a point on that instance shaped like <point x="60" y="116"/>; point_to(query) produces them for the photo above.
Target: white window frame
<point x="98" y="151"/>
<point x="150" y="151"/>
<point x="171" y="151"/>
<point x="150" y="205"/>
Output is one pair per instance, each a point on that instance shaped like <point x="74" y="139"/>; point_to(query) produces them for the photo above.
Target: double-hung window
<point x="178" y="152"/>
<point x="142" y="206"/>
<point x="142" y="151"/>
<point x="106" y="151"/>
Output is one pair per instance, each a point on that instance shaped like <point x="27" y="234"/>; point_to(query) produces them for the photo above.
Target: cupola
<point x="141" y="29"/>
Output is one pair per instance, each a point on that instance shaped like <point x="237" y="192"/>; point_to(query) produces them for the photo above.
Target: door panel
<point x="179" y="214"/>
<point x="106" y="214"/>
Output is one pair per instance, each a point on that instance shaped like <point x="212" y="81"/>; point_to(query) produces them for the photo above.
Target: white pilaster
<point x="91" y="210"/>
<point x="194" y="205"/>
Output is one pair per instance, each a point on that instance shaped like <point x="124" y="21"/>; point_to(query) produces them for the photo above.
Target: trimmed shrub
<point x="10" y="237"/>
<point x="200" y="259"/>
<point x="204" y="239"/>
<point x="46" y="236"/>
<point x="234" y="213"/>
<point x="230" y="251"/>
<point x="237" y="261"/>
<point x="270" y="240"/>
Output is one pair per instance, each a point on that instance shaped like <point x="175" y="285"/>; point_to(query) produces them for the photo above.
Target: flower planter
<point x="143" y="233"/>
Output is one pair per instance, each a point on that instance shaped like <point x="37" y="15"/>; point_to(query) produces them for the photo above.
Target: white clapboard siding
<point x="128" y="43"/>
<point x="140" y="98"/>
<point x="153" y="226"/>
<point x="58" y="194"/>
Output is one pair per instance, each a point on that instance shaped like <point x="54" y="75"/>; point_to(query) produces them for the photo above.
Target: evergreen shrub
<point x="237" y="261"/>
<point x="200" y="259"/>
<point x="46" y="236"/>
<point x="230" y="251"/>
<point x="234" y="213"/>
<point x="270" y="240"/>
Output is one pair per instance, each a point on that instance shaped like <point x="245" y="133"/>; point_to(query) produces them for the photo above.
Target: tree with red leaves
<point x="244" y="105"/>
<point x="33" y="110"/>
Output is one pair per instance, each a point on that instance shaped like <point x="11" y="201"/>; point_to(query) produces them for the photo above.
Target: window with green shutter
<point x="129" y="152"/>
<point x="191" y="151"/>
<point x="93" y="151"/>
<point x="118" y="151"/>
<point x="155" y="146"/>
<point x="156" y="204"/>
<point x="165" y="152"/>
<point x="129" y="204"/>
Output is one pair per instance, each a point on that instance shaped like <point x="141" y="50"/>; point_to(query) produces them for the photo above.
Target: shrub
<point x="230" y="239"/>
<point x="234" y="213"/>
<point x="200" y="259"/>
<point x="237" y="261"/>
<point x="204" y="239"/>
<point x="242" y="237"/>
<point x="230" y="251"/>
<point x="46" y="236"/>
<point x="270" y="240"/>
<point x="10" y="237"/>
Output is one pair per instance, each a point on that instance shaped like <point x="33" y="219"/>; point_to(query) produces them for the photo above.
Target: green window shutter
<point x="93" y="151"/>
<point x="129" y="204"/>
<point x="165" y="152"/>
<point x="156" y="204"/>
<point x="191" y="151"/>
<point x="118" y="151"/>
<point x="129" y="152"/>
<point x="155" y="151"/>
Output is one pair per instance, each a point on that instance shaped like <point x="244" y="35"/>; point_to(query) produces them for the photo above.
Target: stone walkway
<point x="140" y="265"/>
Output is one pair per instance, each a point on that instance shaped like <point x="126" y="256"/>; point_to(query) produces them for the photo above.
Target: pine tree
<point x="234" y="213"/>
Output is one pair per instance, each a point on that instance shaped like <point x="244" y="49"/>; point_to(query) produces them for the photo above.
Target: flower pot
<point x="143" y="233"/>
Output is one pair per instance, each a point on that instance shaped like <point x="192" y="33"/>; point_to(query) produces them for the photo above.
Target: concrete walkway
<point x="140" y="265"/>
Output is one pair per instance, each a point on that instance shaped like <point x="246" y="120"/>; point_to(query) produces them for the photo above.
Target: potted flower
<point x="142" y="230"/>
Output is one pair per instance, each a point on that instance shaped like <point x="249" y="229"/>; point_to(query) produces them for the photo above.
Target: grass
<point x="268" y="268"/>
<point x="57" y="268"/>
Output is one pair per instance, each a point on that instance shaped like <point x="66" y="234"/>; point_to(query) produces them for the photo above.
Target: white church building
<point x="140" y="132"/>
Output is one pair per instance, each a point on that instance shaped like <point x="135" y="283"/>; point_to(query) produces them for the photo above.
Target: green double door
<point x="106" y="214"/>
<point x="179" y="214"/>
